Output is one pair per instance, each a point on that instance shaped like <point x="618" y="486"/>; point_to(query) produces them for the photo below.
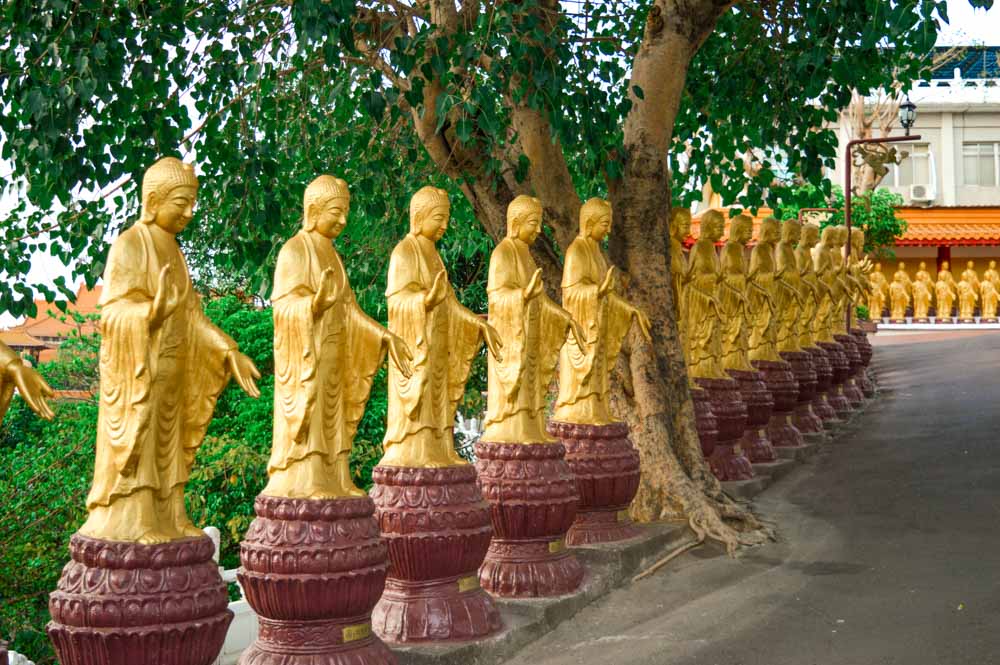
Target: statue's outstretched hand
<point x="400" y="354"/>
<point x="32" y="387"/>
<point x="165" y="301"/>
<point x="644" y="324"/>
<point x="579" y="336"/>
<point x="493" y="341"/>
<point x="534" y="288"/>
<point x="244" y="371"/>
<point x="327" y="294"/>
<point x="438" y="291"/>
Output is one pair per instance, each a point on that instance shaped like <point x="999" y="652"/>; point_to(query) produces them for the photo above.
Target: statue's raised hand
<point x="438" y="291"/>
<point x="327" y="294"/>
<point x="534" y="287"/>
<point x="399" y="353"/>
<point x="610" y="279"/>
<point x="32" y="387"/>
<point x="644" y="324"/>
<point x="165" y="301"/>
<point x="244" y="371"/>
<point x="579" y="336"/>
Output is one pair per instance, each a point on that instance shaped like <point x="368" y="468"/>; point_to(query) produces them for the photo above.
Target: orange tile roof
<point x="17" y="338"/>
<point x="952" y="226"/>
<point x="45" y="325"/>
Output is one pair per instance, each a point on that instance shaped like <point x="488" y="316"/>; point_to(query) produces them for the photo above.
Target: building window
<point x="981" y="164"/>
<point x="915" y="168"/>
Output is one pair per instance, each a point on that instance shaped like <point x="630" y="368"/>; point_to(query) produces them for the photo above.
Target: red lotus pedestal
<point x="606" y="467"/>
<point x="533" y="502"/>
<point x="841" y="367"/>
<point x="705" y="422"/>
<point x="785" y="390"/>
<point x="866" y="351"/>
<point x="824" y="383"/>
<point x="759" y="406"/>
<point x="437" y="526"/>
<point x="728" y="461"/>
<point x="120" y="603"/>
<point x="804" y="418"/>
<point x="852" y="391"/>
<point x="312" y="570"/>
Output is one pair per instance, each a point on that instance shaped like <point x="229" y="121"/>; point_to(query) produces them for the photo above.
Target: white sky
<point x="968" y="26"/>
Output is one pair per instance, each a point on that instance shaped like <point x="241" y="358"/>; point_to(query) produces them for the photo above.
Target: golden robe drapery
<point x="7" y="356"/>
<point x="584" y="385"/>
<point x="444" y="341"/>
<point x="533" y="331"/>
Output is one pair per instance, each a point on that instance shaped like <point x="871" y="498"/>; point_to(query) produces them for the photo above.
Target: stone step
<point x="746" y="489"/>
<point x="774" y="470"/>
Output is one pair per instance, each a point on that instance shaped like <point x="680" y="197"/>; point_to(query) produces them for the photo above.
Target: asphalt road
<point x="889" y="546"/>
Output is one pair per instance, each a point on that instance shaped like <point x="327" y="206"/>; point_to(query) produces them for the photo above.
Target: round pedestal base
<point x="438" y="530"/>
<point x="841" y="368"/>
<point x="824" y="379"/>
<point x="805" y="418"/>
<point x="851" y="388"/>
<point x="864" y="346"/>
<point x="805" y="375"/>
<point x="606" y="467"/>
<point x="727" y="460"/>
<point x="704" y="421"/>
<point x="755" y="442"/>
<point x="781" y="382"/>
<point x="121" y="603"/>
<point x="533" y="502"/>
<point x="312" y="570"/>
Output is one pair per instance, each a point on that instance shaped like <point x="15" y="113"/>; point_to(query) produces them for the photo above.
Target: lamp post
<point x="907" y="116"/>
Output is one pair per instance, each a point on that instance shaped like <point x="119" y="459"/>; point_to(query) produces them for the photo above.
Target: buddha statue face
<point x="595" y="219"/>
<point x="902" y="267"/>
<point x="810" y="235"/>
<point x="970" y="265"/>
<point x="524" y="218"/>
<point x="435" y="222"/>
<point x="791" y="231"/>
<point x="172" y="212"/>
<point x="878" y="267"/>
<point x="329" y="217"/>
<point x="993" y="265"/>
<point x="741" y="229"/>
<point x="923" y="265"/>
<point x="680" y="224"/>
<point x="829" y="236"/>
<point x="712" y="225"/>
<point x="430" y="211"/>
<point x="858" y="241"/>
<point x="944" y="265"/>
<point x="770" y="231"/>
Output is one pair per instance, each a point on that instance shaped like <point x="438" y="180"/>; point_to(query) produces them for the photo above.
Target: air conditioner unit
<point x="922" y="193"/>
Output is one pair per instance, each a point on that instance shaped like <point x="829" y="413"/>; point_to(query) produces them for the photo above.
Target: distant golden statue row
<point x="793" y="292"/>
<point x="922" y="292"/>
<point x="163" y="363"/>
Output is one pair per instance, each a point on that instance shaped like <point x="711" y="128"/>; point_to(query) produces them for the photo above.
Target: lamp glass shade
<point x="907" y="114"/>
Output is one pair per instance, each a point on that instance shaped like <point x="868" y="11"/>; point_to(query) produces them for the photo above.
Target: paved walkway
<point x="889" y="552"/>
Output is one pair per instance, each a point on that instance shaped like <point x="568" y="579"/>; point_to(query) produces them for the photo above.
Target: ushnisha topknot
<point x="423" y="202"/>
<point x="163" y="176"/>
<point x="518" y="210"/>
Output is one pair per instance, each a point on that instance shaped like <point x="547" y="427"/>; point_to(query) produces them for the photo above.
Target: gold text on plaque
<point x="357" y="632"/>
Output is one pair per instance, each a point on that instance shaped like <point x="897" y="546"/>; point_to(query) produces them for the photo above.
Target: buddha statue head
<point x="712" y="225"/>
<point x="857" y="241"/>
<point x="680" y="224"/>
<point x="741" y="229"/>
<point x="524" y="218"/>
<point x="791" y="231"/>
<point x="429" y="213"/>
<point x="169" y="189"/>
<point x="923" y="265"/>
<point x="770" y="231"/>
<point x="878" y="267"/>
<point x="993" y="265"/>
<point x="901" y="268"/>
<point x="970" y="265"/>
<point x="325" y="205"/>
<point x="841" y="237"/>
<point x="595" y="219"/>
<point x="810" y="235"/>
<point x="829" y="236"/>
<point x="944" y="265"/>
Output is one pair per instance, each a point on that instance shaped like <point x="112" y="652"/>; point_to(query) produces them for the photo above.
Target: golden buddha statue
<point x="680" y="229"/>
<point x="857" y="271"/>
<point x="589" y="291"/>
<point x="967" y="298"/>
<point x="991" y="275"/>
<point x="921" y="300"/>
<point x="443" y="336"/>
<point x="831" y="286"/>
<point x="763" y="313"/>
<point x="971" y="276"/>
<point x="733" y="297"/>
<point x="813" y="292"/>
<point x="847" y="286"/>
<point x="14" y="373"/>
<point x="903" y="278"/>
<point x="700" y="306"/>
<point x="326" y="353"/>
<point x="988" y="304"/>
<point x="925" y="277"/>
<point x="788" y="297"/>
<point x="532" y="329"/>
<point x="163" y="365"/>
<point x="945" y="274"/>
<point x="945" y="292"/>
<point x="899" y="297"/>
<point x="878" y="294"/>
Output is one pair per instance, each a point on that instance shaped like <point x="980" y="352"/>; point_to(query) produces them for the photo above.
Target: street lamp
<point x="907" y="116"/>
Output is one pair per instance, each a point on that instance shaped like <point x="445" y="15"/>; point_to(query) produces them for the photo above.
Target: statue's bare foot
<point x="352" y="490"/>
<point x="153" y="537"/>
<point x="189" y="530"/>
